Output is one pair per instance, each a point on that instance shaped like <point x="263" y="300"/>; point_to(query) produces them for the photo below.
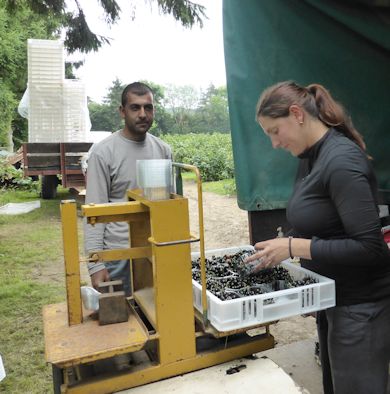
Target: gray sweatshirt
<point x="111" y="172"/>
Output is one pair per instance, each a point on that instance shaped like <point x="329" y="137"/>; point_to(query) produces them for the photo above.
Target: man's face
<point x="138" y="114"/>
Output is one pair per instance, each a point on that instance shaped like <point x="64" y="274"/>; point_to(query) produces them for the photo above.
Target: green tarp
<point x="344" y="45"/>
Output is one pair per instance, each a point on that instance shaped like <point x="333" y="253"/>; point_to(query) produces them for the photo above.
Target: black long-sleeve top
<point x="334" y="204"/>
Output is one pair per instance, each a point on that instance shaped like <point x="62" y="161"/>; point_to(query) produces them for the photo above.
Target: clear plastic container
<point x="154" y="177"/>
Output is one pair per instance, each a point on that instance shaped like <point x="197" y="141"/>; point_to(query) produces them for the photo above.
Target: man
<point x="112" y="171"/>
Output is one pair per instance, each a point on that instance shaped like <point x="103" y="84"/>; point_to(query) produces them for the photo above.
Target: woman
<point x="335" y="231"/>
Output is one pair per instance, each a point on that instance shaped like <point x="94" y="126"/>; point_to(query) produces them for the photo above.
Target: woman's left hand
<point x="270" y="253"/>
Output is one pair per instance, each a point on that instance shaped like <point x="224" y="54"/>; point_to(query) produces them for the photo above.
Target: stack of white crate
<point x="56" y="105"/>
<point x="74" y="104"/>
<point x="46" y="72"/>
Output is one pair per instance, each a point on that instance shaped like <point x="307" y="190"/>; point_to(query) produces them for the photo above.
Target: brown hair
<point x="276" y="100"/>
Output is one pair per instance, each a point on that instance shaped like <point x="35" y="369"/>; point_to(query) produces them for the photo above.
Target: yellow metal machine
<point x="163" y="330"/>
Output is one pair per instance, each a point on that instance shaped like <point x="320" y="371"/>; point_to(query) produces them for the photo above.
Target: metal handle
<point x="178" y="242"/>
<point x="201" y="236"/>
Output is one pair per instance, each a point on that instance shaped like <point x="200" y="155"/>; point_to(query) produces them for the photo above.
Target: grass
<point x="17" y="196"/>
<point x="29" y="244"/>
<point x="225" y="187"/>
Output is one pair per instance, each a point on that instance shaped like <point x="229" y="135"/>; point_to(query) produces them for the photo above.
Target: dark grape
<point x="228" y="277"/>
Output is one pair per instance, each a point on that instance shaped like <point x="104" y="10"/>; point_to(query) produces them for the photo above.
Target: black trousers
<point x="355" y="348"/>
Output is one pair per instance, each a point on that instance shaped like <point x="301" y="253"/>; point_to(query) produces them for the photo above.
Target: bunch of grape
<point x="229" y="278"/>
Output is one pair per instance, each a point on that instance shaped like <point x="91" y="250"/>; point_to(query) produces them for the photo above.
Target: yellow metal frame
<point x="162" y="289"/>
<point x="196" y="171"/>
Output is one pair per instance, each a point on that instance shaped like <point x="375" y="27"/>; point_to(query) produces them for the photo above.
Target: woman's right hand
<point x="269" y="253"/>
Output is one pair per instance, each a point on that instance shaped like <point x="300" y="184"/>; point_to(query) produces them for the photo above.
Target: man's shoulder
<point x="107" y="143"/>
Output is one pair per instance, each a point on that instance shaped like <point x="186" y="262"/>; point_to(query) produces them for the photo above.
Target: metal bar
<point x="169" y="243"/>
<point x="67" y="154"/>
<point x="201" y="236"/>
<point x="122" y="208"/>
<point x="120" y="254"/>
<point x="131" y="218"/>
<point x="179" y="181"/>
<point x="62" y="161"/>
<point x="25" y="162"/>
<point x="28" y="172"/>
<point x="39" y="154"/>
<point x="73" y="172"/>
<point x="72" y="263"/>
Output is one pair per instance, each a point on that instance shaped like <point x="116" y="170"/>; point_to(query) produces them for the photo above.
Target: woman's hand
<point x="273" y="251"/>
<point x="270" y="253"/>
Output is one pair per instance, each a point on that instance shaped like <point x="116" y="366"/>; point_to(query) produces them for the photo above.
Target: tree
<point x="45" y="19"/>
<point x="15" y="29"/>
<point x="181" y="102"/>
<point x="78" y="36"/>
<point x="178" y="109"/>
<point x="213" y="111"/>
<point x="105" y="116"/>
<point x="163" y="121"/>
<point x="196" y="112"/>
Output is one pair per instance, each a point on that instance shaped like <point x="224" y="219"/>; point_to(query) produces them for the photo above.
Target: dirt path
<point x="225" y="223"/>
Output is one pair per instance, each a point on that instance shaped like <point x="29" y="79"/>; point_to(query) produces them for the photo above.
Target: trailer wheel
<point x="58" y="379"/>
<point x="49" y="186"/>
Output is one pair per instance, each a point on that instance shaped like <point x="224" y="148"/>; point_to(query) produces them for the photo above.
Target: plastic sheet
<point x="17" y="208"/>
<point x="90" y="298"/>
<point x="2" y="370"/>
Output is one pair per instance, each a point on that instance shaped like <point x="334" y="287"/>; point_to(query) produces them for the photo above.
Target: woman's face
<point x="284" y="133"/>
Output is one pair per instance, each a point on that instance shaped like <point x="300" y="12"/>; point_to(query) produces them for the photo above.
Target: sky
<point x="154" y="47"/>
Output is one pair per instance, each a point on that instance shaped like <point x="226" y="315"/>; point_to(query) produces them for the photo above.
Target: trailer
<point x="343" y="45"/>
<point x="58" y="120"/>
<point x="55" y="163"/>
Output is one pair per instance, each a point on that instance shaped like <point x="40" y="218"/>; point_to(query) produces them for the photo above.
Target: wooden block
<point x="113" y="308"/>
<point x="111" y="286"/>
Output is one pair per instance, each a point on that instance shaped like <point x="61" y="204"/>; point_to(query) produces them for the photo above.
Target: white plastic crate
<point x="46" y="121"/>
<point x="252" y="310"/>
<point x="45" y="61"/>
<point x="74" y="110"/>
<point x="58" y="109"/>
<point x="58" y="112"/>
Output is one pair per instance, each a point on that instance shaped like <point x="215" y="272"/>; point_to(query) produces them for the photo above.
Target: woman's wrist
<point x="290" y="238"/>
<point x="299" y="248"/>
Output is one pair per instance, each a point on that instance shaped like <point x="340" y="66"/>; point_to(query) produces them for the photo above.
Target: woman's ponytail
<point x="333" y="114"/>
<point x="275" y="102"/>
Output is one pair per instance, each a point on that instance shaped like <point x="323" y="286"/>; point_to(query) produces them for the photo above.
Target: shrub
<point x="211" y="153"/>
<point x="13" y="178"/>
